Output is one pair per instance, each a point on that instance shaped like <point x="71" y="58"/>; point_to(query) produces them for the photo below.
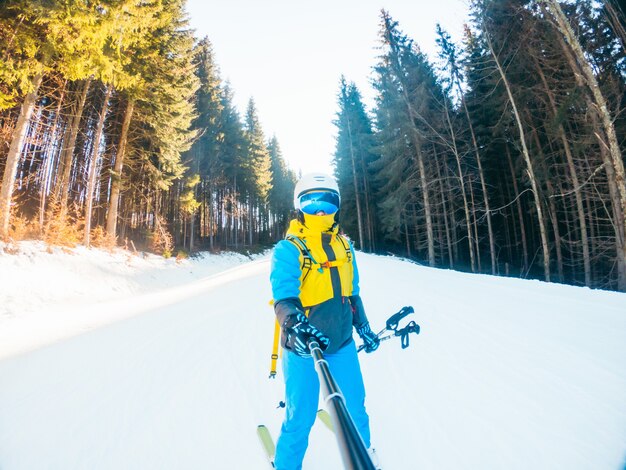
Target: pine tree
<point x="410" y="95"/>
<point x="76" y="40"/>
<point x="353" y="156"/>
<point x="584" y="68"/>
<point x="258" y="158"/>
<point x="165" y="112"/>
<point x="258" y="177"/>
<point x="232" y="151"/>
<point x="204" y="154"/>
<point x="449" y="53"/>
<point x="280" y="196"/>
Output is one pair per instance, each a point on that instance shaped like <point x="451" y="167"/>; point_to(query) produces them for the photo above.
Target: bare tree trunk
<point x="116" y="182"/>
<point x="356" y="187"/>
<point x="510" y="228"/>
<point x="371" y="245"/>
<point x="618" y="214"/>
<point x="461" y="179"/>
<point x="416" y="140"/>
<point x="582" y="222"/>
<point x="529" y="165"/>
<point x="368" y="211"/>
<point x="251" y="219"/>
<point x="49" y="166"/>
<point x="210" y="216"/>
<point x="407" y="239"/>
<point x="184" y="224"/>
<point x="445" y="219"/>
<point x="62" y="187"/>
<point x="475" y="226"/>
<point x="192" y="229"/>
<point x="520" y="213"/>
<point x="552" y="212"/>
<point x="427" y="209"/>
<point x="233" y="229"/>
<point x="601" y="108"/>
<point x="93" y="164"/>
<point x="483" y="184"/>
<point x="13" y="157"/>
<point x="220" y="218"/>
<point x="615" y="17"/>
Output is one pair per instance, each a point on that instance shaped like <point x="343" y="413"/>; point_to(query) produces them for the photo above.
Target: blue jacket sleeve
<point x="285" y="279"/>
<point x="359" y="317"/>
<point x="285" y="271"/>
<point x="355" y="273"/>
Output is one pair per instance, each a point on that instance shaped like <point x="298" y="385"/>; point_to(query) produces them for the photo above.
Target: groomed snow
<point x="113" y="361"/>
<point x="51" y="293"/>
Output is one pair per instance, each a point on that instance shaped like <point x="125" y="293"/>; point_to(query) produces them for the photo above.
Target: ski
<point x="325" y="418"/>
<point x="267" y="443"/>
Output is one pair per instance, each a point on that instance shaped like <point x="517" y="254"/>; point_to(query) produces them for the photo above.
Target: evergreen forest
<point x="503" y="155"/>
<point x="116" y="128"/>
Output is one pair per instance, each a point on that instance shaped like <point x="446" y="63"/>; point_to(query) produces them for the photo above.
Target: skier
<point x="315" y="286"/>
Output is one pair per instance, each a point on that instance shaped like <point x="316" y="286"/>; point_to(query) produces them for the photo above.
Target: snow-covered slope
<point x="505" y="373"/>
<point x="51" y="293"/>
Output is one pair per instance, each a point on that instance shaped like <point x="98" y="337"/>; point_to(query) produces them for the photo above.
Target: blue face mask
<point x="316" y="201"/>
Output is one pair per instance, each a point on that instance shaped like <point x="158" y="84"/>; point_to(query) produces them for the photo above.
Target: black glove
<point x="370" y="340"/>
<point x="299" y="331"/>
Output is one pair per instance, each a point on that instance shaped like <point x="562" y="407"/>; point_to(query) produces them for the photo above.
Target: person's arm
<point x="358" y="311"/>
<point x="285" y="279"/>
<point x="359" y="318"/>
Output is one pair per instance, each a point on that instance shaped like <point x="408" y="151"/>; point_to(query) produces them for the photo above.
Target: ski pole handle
<point x="394" y="320"/>
<point x="412" y="327"/>
<point x="381" y="339"/>
<point x="392" y="325"/>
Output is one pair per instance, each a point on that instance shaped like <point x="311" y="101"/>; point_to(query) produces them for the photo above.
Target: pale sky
<point x="289" y="56"/>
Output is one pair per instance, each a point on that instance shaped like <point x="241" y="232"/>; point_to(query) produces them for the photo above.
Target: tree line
<point x="115" y="127"/>
<point x="505" y="155"/>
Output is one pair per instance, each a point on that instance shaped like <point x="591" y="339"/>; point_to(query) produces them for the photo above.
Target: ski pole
<point x="393" y="320"/>
<point x="412" y="327"/>
<point x="351" y="446"/>
<point x="392" y="326"/>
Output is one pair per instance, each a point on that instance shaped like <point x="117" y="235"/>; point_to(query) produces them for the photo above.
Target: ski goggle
<point x="316" y="201"/>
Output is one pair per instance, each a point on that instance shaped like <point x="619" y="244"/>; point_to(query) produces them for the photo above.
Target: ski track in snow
<point x="505" y="374"/>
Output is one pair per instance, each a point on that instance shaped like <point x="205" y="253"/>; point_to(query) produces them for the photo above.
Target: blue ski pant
<point x="302" y="389"/>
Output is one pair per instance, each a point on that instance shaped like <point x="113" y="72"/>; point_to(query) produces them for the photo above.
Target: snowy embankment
<point x="51" y="293"/>
<point x="505" y="373"/>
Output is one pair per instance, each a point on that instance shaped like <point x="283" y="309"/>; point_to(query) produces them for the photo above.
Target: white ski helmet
<point x="316" y="192"/>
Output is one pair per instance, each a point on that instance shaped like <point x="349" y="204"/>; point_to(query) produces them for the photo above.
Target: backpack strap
<point x="308" y="262"/>
<point x="346" y="246"/>
<point x="307" y="258"/>
<point x="275" y="350"/>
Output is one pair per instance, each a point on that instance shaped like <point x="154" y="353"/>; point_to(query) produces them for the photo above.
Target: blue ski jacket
<point x="314" y="271"/>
